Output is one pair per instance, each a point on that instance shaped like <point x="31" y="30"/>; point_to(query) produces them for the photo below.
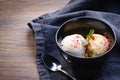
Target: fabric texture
<point x="45" y="27"/>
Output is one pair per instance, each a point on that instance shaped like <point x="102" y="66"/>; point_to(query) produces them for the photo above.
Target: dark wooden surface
<point x="17" y="44"/>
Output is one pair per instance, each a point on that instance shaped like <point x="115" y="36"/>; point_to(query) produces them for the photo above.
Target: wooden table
<point x="17" y="44"/>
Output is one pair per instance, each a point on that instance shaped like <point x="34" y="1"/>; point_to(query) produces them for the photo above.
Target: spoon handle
<point x="67" y="74"/>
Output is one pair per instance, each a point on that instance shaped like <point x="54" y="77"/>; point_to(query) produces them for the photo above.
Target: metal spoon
<point x="54" y="65"/>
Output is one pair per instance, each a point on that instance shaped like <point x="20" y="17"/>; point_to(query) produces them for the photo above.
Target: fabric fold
<point x="44" y="28"/>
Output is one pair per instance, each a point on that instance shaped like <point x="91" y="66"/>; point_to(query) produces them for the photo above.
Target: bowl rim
<point x="86" y="17"/>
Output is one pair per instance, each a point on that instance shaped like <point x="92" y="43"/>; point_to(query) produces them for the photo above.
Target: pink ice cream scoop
<point x="73" y="45"/>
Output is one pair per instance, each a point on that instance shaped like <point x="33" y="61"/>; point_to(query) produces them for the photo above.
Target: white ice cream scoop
<point x="72" y="44"/>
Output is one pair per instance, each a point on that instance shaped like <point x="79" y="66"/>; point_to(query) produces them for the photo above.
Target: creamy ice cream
<point x="73" y="45"/>
<point x="76" y="45"/>
<point x="98" y="44"/>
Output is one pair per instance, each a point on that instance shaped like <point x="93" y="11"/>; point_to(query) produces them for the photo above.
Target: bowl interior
<point x="82" y="26"/>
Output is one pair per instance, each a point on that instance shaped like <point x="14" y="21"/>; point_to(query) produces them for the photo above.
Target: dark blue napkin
<point x="45" y="27"/>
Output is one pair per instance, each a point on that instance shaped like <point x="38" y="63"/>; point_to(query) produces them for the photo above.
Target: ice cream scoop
<point x="82" y="26"/>
<point x="98" y="44"/>
<point x="73" y="45"/>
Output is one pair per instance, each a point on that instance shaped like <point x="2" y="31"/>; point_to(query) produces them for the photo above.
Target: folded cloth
<point x="45" y="27"/>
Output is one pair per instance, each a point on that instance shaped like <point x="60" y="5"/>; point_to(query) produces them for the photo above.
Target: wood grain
<point x="17" y="44"/>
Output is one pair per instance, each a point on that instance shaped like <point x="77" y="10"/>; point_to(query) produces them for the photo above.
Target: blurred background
<point x="17" y="44"/>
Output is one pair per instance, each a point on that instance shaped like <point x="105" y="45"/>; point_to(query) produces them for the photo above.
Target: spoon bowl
<point x="53" y="64"/>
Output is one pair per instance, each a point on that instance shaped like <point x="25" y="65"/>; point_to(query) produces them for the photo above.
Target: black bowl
<point x="82" y="25"/>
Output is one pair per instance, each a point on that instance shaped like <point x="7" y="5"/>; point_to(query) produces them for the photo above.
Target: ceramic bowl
<point x="82" y="25"/>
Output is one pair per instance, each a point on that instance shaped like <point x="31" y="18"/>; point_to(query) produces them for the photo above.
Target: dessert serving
<point x="85" y="40"/>
<point x="93" y="45"/>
